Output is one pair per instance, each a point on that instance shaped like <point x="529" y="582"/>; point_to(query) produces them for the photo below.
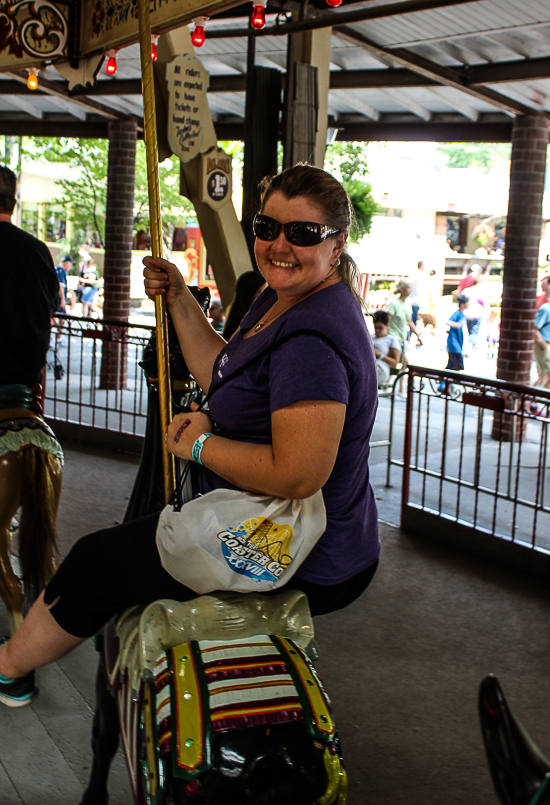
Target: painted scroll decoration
<point x="34" y="28"/>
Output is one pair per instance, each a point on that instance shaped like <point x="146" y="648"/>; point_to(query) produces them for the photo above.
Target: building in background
<point x="433" y="213"/>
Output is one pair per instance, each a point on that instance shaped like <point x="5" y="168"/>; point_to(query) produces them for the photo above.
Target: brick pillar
<point x="523" y="233"/>
<point x="119" y="221"/>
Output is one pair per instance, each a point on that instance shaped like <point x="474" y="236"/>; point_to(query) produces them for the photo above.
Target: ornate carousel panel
<point x="38" y="32"/>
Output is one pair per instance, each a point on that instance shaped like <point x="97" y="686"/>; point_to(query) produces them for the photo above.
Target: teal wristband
<point x="197" y="447"/>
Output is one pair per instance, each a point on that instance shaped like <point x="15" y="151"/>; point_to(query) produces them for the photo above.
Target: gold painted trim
<point x="319" y="707"/>
<point x="189" y="727"/>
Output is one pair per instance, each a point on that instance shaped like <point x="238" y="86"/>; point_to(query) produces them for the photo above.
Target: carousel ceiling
<point x="418" y="69"/>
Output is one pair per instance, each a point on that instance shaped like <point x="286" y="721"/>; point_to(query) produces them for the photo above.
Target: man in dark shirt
<point x="29" y="295"/>
<point x="61" y="270"/>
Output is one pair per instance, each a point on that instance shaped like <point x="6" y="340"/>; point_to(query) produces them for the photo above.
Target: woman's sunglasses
<point x="299" y="233"/>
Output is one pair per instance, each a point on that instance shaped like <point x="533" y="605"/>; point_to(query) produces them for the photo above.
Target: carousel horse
<point x="31" y="469"/>
<point x="520" y="772"/>
<point x="218" y="703"/>
<point x="216" y="700"/>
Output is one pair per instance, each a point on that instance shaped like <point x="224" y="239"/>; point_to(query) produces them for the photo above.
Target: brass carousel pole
<point x="150" y="134"/>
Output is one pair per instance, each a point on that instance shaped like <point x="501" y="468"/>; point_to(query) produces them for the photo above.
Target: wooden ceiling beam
<point x="520" y="70"/>
<point x="377" y="79"/>
<point x="338" y="18"/>
<point x="114" y="86"/>
<point x="499" y="72"/>
<point x="59" y="89"/>
<point x="427" y="132"/>
<point x="54" y="128"/>
<point x="384" y="131"/>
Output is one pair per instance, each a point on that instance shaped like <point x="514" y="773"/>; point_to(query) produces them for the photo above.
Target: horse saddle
<point x="218" y="701"/>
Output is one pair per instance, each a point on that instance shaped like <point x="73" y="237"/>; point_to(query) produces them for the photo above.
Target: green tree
<point x="235" y="149"/>
<point x="173" y="206"/>
<point x="348" y="162"/>
<point x="475" y="155"/>
<point x="85" y="195"/>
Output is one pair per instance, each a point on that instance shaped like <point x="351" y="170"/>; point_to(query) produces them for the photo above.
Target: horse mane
<point x="37" y="527"/>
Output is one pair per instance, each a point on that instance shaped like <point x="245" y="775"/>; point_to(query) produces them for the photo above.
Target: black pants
<point x="110" y="570"/>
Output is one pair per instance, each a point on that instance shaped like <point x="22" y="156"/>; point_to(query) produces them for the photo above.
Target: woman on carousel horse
<point x="293" y="422"/>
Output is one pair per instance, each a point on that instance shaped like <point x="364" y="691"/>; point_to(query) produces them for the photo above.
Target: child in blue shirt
<point x="455" y="339"/>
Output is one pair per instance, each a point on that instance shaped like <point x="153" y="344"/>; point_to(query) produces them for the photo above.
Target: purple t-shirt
<point x="307" y="368"/>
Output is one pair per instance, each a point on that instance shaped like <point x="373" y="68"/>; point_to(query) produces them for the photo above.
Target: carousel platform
<point x="402" y="666"/>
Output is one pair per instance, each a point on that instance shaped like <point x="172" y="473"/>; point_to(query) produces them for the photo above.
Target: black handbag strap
<point x="267" y="351"/>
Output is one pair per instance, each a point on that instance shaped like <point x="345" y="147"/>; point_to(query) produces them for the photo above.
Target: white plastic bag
<point x="233" y="540"/>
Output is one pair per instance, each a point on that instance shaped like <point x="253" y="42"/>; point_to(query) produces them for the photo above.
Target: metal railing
<point x="93" y="377"/>
<point x="476" y="453"/>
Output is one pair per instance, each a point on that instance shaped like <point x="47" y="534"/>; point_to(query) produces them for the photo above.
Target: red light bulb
<point x="334" y="3"/>
<point x="110" y="67"/>
<point x="257" y="18"/>
<point x="154" y="40"/>
<point x="198" y="37"/>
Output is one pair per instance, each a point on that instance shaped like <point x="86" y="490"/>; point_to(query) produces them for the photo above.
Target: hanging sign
<point x="216" y="178"/>
<point x="187" y="84"/>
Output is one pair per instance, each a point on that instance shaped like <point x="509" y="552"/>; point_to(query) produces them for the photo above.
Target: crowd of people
<point x="464" y="324"/>
<point x="87" y="291"/>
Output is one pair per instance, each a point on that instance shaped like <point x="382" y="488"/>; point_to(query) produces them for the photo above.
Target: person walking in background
<point x="400" y="312"/>
<point x="544" y="297"/>
<point x="455" y="341"/>
<point x="248" y="287"/>
<point x="493" y="333"/>
<point x="62" y="270"/>
<point x="90" y="282"/>
<point x="216" y="315"/>
<point x="476" y="310"/>
<point x="542" y="344"/>
<point x="468" y="280"/>
<point x="76" y="295"/>
<point x="419" y="294"/>
<point x="455" y="338"/>
<point x="387" y="348"/>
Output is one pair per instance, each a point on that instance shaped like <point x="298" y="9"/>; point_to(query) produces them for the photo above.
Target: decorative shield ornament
<point x="216" y="178"/>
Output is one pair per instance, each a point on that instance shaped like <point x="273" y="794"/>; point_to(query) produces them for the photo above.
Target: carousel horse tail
<point x="40" y="475"/>
<point x="520" y="772"/>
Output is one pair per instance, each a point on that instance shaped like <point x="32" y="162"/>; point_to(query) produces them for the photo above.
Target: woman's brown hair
<point x="307" y="181"/>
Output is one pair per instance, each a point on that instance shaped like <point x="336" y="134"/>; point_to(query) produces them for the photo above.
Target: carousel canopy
<point x="418" y="69"/>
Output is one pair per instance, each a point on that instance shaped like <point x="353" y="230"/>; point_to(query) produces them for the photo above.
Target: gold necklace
<point x="269" y="318"/>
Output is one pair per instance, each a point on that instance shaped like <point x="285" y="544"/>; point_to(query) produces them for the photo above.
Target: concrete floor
<point x="402" y="666"/>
